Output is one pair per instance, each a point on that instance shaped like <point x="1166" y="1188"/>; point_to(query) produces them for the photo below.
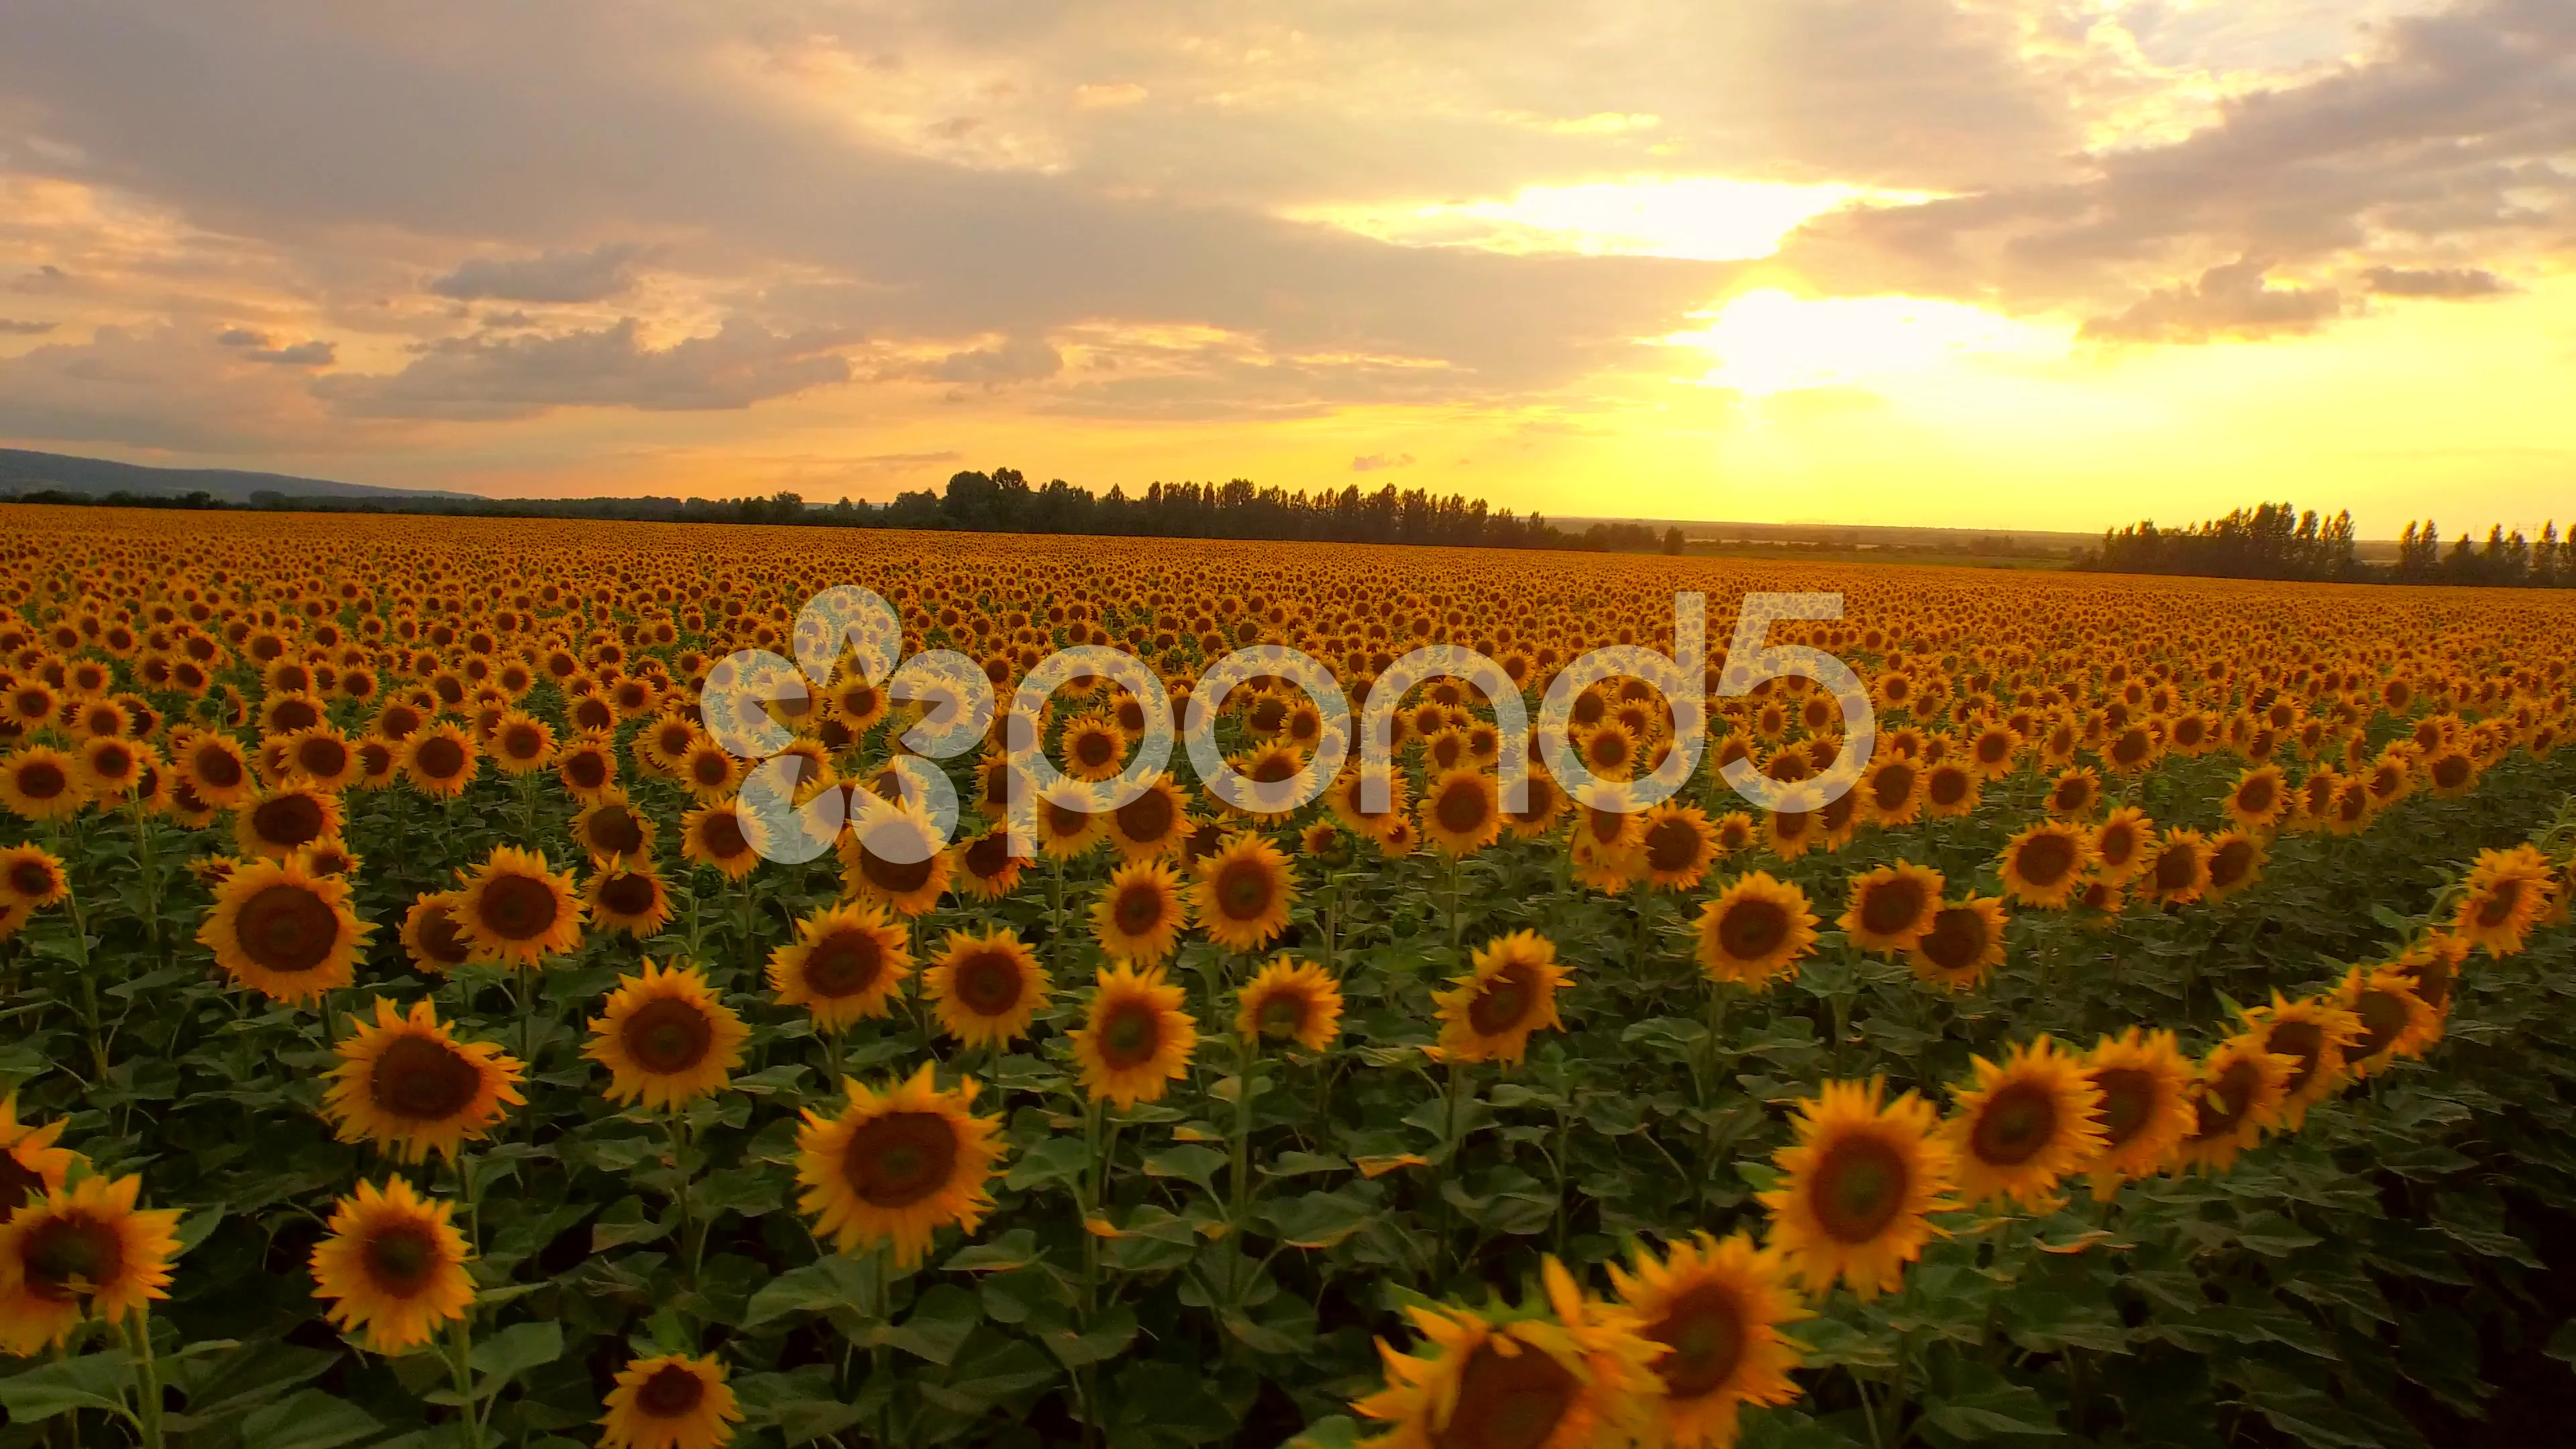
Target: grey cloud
<point x="255" y="346"/>
<point x="2228" y="301"/>
<point x="162" y="387"/>
<point x="2448" y="282"/>
<point x="556" y="276"/>
<point x="240" y="337"/>
<point x="1019" y="359"/>
<point x="47" y="278"/>
<point x="484" y="378"/>
<point x="11" y="327"/>
<point x="1373" y="462"/>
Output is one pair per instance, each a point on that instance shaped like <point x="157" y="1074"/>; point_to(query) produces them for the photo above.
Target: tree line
<point x="2277" y="541"/>
<point x="1004" y="501"/>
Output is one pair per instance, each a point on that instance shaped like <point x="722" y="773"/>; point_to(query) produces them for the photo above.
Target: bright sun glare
<point x="1769" y="341"/>
<point x="1699" y="218"/>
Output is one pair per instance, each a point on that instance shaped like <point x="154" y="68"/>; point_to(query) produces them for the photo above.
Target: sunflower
<point x="2177" y="869"/>
<point x="410" y="1087"/>
<point x="1966" y="940"/>
<point x="628" y="895"/>
<point x="984" y="867"/>
<point x="893" y="855"/>
<point x="2236" y="1095"/>
<point x="1462" y="811"/>
<point x="665" y="1037"/>
<point x="2026" y="1124"/>
<point x="521" y="743"/>
<point x="1135" y="1040"/>
<point x="2074" y="792"/>
<point x="986" y="989"/>
<point x="2045" y="863"/>
<point x="1951" y="789"/>
<point x="40" y="782"/>
<point x="284" y="931"/>
<point x="2395" y="1022"/>
<point x="514" y="911"/>
<point x="2120" y="844"/>
<point x="214" y="765"/>
<point x="723" y="836"/>
<point x="672" y="1401"/>
<point x="1891" y="907"/>
<point x="1716" y="1309"/>
<point x="1094" y="747"/>
<point x="2145" y="1084"/>
<point x="111" y="768"/>
<point x="1508" y="992"/>
<point x="87" y="1240"/>
<point x="2432" y="965"/>
<point x="2451" y="773"/>
<point x="1140" y="914"/>
<point x="847" y="963"/>
<point x="2234" y="861"/>
<point x="33" y="877"/>
<point x="2506" y="892"/>
<point x="1242" y="893"/>
<point x="1344" y="801"/>
<point x="1151" y="825"/>
<point x="30" y="1164"/>
<point x="897" y="1165"/>
<point x="1290" y="1000"/>
<point x="708" y="772"/>
<point x="588" y="768"/>
<point x="2259" y="798"/>
<point x="430" y="936"/>
<point x="1891" y="791"/>
<point x="395" y="1266"/>
<point x="1789" y="834"/>
<point x="1859" y="1187"/>
<point x="2314" y="1033"/>
<point x="1755" y="931"/>
<point x="1677" y="845"/>
<point x="280" y="821"/>
<point x="1494" y="1378"/>
<point x="440" y="760"/>
<point x="1539" y="811"/>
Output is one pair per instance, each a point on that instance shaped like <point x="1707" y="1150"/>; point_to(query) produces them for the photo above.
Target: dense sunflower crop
<point x="2168" y="1041"/>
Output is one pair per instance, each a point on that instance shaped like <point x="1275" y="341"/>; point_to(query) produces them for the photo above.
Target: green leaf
<point x="1057" y="1159"/>
<point x="2562" y="1344"/>
<point x="196" y="1226"/>
<point x="940" y="1321"/>
<point x="820" y="1287"/>
<point x="1293" y="1163"/>
<point x="91" y="1381"/>
<point x="1189" y="1162"/>
<point x="770" y="1080"/>
<point x="1334" y="1431"/>
<point x="1107" y="1339"/>
<point x="1013" y="1250"/>
<point x="308" y="1419"/>
<point x="1318" y="1220"/>
<point x="517" y="1349"/>
<point x="624" y="1223"/>
<point x="991" y="1371"/>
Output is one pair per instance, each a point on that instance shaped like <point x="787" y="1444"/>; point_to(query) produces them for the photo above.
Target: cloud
<point x="162" y="387"/>
<point x="556" y="276"/>
<point x="2448" y="282"/>
<point x="255" y="346"/>
<point x="1019" y="359"/>
<point x="1373" y="462"/>
<point x="11" y="327"/>
<point x="485" y="378"/>
<point x="2228" y="301"/>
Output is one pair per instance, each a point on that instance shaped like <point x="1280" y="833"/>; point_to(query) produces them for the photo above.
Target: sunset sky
<point x="2035" y="263"/>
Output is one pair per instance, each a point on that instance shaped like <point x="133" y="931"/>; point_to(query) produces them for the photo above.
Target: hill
<point x="23" y="471"/>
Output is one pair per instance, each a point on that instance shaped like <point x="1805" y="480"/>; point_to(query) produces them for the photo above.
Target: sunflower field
<point x="2169" y="1041"/>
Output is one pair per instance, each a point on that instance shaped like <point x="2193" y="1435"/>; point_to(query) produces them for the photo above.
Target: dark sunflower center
<point x="518" y="908"/>
<point x="710" y="768"/>
<point x="988" y="982"/>
<point x="322" y="756"/>
<point x="843" y="963"/>
<point x="2451" y="771"/>
<point x="1860" y="1187"/>
<point x="613" y="831"/>
<point x="422" y="1080"/>
<point x="900" y="1159"/>
<point x="1243" y="890"/>
<point x="2045" y="859"/>
<point x="1672" y="845"/>
<point x="2231" y="863"/>
<point x="2176" y="866"/>
<point x="1140" y="909"/>
<point x="1461" y="808"/>
<point x="2127" y="1095"/>
<point x="440" y="758"/>
<point x="220" y="769"/>
<point x="1130" y="1035"/>
<point x="894" y="877"/>
<point x="627" y="894"/>
<point x="1506" y="1002"/>
<point x="1958" y="939"/>
<point x="1703" y="1337"/>
<point x="588" y="770"/>
<point x="33" y="879"/>
<point x="2303" y="1040"/>
<point x="721" y="833"/>
<point x="401" y="1260"/>
<point x="294" y="714"/>
<point x="288" y="820"/>
<point x="2500" y="901"/>
<point x="42" y="780"/>
<point x="2116" y="845"/>
<point x="1508" y="1403"/>
<point x="1272" y="768"/>
<point x="1991" y="749"/>
<point x="77" y="1252"/>
<point x="1268" y="714"/>
<point x="1094" y="749"/>
<point x="440" y="938"/>
<point x="2071" y="794"/>
<point x="2383" y="1019"/>
<point x="1148" y="817"/>
<point x="1891" y="906"/>
<point x="667" y="1036"/>
<point x="2017" y="1124"/>
<point x="287" y="928"/>
<point x="1281" y="1016"/>
<point x="2256" y="795"/>
<point x="672" y="1392"/>
<point x="2225" y="1103"/>
<point x="1948" y="786"/>
<point x="1752" y="928"/>
<point x="1893" y="787"/>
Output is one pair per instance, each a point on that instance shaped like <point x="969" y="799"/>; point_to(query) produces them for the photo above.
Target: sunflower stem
<point x="1247" y="1062"/>
<point x="147" y="1381"/>
<point x="460" y="1350"/>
